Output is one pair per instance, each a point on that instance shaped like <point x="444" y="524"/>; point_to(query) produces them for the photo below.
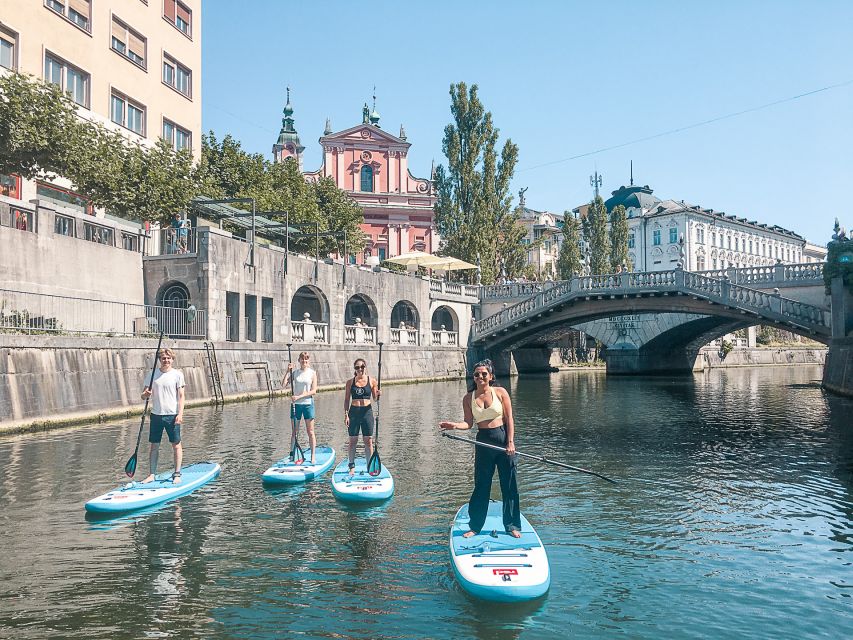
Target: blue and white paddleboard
<point x="493" y="565"/>
<point x="361" y="487"/>
<point x="136" y="495"/>
<point x="286" y="472"/>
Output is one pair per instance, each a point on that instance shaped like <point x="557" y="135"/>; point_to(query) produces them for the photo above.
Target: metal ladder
<point x="213" y="369"/>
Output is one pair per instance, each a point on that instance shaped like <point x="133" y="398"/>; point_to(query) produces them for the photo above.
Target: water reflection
<point x="734" y="502"/>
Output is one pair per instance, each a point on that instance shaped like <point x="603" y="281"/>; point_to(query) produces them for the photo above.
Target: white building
<point x="711" y="239"/>
<point x="547" y="228"/>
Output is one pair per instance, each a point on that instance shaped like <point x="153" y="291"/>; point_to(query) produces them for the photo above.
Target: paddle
<point x="527" y="455"/>
<point x="130" y="467"/>
<point x="374" y="465"/>
<point x="296" y="453"/>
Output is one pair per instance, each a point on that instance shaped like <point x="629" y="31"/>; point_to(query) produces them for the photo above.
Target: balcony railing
<point x="173" y="242"/>
<point x="405" y="336"/>
<point x="25" y="312"/>
<point x="445" y="338"/>
<point x="354" y="334"/>
<point x="309" y="332"/>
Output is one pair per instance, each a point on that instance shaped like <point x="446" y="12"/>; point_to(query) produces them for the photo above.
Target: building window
<point x="177" y="136"/>
<point x="23" y="219"/>
<point x="177" y="76"/>
<point x="382" y="254"/>
<point x="729" y="241"/>
<point x="128" y="42"/>
<point x="673" y="235"/>
<point x="97" y="233"/>
<point x="656" y="237"/>
<point x="367" y="178"/>
<point x="179" y="15"/>
<point x="10" y="186"/>
<point x="63" y="197"/>
<point x="129" y="242"/>
<point x="68" y="78"/>
<point x="127" y="113"/>
<point x="8" y="49"/>
<point x="63" y="225"/>
<point x="77" y="11"/>
<point x="630" y="240"/>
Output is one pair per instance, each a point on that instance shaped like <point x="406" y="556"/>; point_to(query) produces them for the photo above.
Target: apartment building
<point x="132" y="65"/>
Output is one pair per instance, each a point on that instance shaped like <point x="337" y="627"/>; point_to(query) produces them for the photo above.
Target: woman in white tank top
<point x="304" y="388"/>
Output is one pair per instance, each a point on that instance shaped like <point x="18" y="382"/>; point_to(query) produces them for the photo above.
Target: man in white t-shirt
<point x="167" y="411"/>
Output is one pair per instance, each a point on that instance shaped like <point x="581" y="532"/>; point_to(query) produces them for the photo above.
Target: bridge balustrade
<point x="715" y="289"/>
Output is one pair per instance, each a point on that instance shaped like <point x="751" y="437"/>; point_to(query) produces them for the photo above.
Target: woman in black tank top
<point x="358" y="411"/>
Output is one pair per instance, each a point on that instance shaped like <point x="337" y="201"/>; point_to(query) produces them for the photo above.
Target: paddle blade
<point x="374" y="465"/>
<point x="130" y="467"/>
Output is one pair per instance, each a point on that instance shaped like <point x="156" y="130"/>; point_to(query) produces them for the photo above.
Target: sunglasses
<point x="481" y="374"/>
<point x="361" y="366"/>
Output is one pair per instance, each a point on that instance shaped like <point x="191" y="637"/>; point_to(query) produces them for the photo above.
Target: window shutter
<point x="184" y="14"/>
<point x="136" y="44"/>
<point x="81" y="7"/>
<point x="169" y="10"/>
<point x="119" y="32"/>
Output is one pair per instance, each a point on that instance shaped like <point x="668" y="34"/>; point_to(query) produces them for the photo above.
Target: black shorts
<point x="361" y="419"/>
<point x="158" y="423"/>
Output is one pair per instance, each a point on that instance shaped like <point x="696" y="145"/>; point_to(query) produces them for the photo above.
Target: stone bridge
<point x="689" y="310"/>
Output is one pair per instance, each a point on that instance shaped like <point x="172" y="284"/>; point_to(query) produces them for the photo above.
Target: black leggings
<point x="361" y="420"/>
<point x="485" y="461"/>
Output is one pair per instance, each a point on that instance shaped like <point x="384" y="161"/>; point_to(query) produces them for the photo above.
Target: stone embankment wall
<point x="838" y="372"/>
<point x="48" y="381"/>
<point x="709" y="358"/>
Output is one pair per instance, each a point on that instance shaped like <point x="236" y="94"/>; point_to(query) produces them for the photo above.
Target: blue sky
<point x="564" y="79"/>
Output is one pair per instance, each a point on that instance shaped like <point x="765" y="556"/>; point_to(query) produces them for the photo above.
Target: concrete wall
<point x="838" y="371"/>
<point x="222" y="265"/>
<point x="46" y="262"/>
<point x="51" y="379"/>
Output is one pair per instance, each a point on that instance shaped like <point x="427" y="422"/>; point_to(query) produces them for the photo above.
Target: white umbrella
<point x="416" y="259"/>
<point x="450" y="263"/>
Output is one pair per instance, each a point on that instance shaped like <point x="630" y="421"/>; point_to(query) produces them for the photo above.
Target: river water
<point x="732" y="517"/>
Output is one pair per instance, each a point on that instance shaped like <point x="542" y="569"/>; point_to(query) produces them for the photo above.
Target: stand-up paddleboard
<point x="136" y="495"/>
<point x="493" y="565"/>
<point x="361" y="487"/>
<point x="285" y="471"/>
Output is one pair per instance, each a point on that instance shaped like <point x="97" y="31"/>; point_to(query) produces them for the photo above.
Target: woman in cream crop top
<point x="490" y="408"/>
<point x="489" y="413"/>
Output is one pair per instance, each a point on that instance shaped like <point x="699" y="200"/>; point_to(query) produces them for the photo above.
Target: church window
<point x="367" y="178"/>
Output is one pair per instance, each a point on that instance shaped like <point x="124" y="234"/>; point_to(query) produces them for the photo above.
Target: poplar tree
<point x="473" y="208"/>
<point x="618" y="238"/>
<point x="569" y="262"/>
<point x="596" y="233"/>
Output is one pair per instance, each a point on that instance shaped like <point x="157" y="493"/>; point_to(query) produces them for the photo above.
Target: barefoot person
<point x="167" y="411"/>
<point x="490" y="408"/>
<point x="358" y="411"/>
<point x="304" y="389"/>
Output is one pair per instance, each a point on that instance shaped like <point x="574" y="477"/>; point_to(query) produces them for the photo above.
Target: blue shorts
<point x="303" y="411"/>
<point x="158" y="423"/>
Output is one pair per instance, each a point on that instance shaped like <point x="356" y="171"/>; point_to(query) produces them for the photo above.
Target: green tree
<point x="473" y="207"/>
<point x="41" y="134"/>
<point x="596" y="234"/>
<point x="569" y="262"/>
<point x="618" y="238"/>
<point x="39" y="128"/>
<point x="228" y="171"/>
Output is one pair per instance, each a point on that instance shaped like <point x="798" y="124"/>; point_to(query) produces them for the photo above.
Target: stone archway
<point x="360" y="320"/>
<point x="309" y="315"/>
<point x="405" y="323"/>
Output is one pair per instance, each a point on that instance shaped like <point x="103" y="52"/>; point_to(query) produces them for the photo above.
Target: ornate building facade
<point x="372" y="166"/>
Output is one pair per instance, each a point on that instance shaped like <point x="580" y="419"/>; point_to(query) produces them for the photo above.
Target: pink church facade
<point x="372" y="166"/>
